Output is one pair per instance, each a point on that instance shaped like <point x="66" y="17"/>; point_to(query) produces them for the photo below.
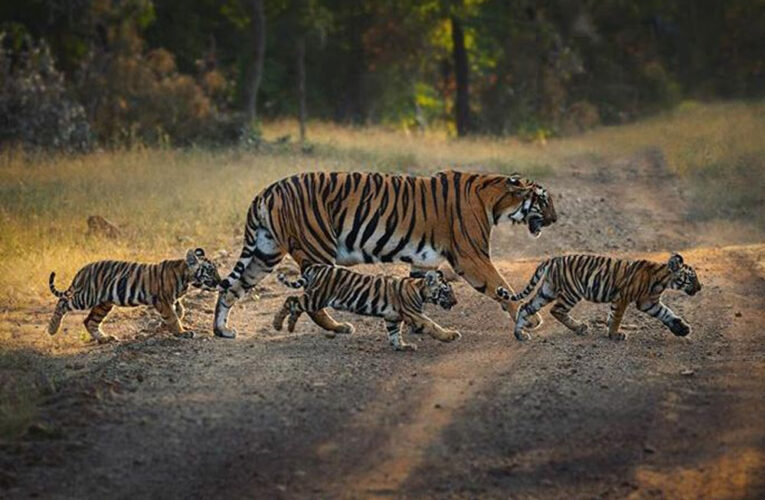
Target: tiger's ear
<point x="431" y="277"/>
<point x="199" y="252"/>
<point x="675" y="262"/>
<point x="440" y="274"/>
<point x="191" y="256"/>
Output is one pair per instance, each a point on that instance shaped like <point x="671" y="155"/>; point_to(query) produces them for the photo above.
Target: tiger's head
<point x="683" y="276"/>
<point x="436" y="290"/>
<point x="523" y="201"/>
<point x="202" y="271"/>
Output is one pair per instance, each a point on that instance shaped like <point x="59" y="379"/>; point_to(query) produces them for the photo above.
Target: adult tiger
<point x="350" y="217"/>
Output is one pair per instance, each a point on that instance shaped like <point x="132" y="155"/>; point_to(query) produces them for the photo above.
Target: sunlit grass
<point x="167" y="200"/>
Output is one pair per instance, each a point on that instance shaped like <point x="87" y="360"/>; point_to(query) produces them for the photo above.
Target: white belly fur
<point x="427" y="257"/>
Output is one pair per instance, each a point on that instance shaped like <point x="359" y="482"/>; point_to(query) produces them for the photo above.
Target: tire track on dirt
<point x="403" y="447"/>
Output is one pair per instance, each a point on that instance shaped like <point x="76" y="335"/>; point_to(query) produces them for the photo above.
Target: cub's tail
<point x="53" y="290"/>
<point x="299" y="283"/>
<point x="541" y="270"/>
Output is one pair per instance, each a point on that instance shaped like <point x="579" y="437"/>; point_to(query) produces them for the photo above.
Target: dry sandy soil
<point x="271" y="415"/>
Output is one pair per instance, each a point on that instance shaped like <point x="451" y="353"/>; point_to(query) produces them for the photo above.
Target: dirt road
<point x="272" y="415"/>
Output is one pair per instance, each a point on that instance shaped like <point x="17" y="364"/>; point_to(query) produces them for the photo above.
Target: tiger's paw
<point x="346" y="328"/>
<point x="106" y="339"/>
<point x="533" y="322"/>
<point x="581" y="329"/>
<point x="330" y="335"/>
<point x="680" y="327"/>
<point x="450" y="336"/>
<point x="225" y="333"/>
<point x="405" y="347"/>
<point x="521" y="335"/>
<point x="186" y="334"/>
<point x="278" y="323"/>
<point x="617" y="336"/>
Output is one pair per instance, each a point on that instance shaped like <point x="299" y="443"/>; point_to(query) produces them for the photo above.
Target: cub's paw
<point x="225" y="333"/>
<point x="106" y="339"/>
<point x="451" y="336"/>
<point x="680" y="327"/>
<point x="521" y="335"/>
<point x="532" y="322"/>
<point x="581" y="329"/>
<point x="346" y="328"/>
<point x="186" y="334"/>
<point x="330" y="335"/>
<point x="278" y="323"/>
<point x="617" y="336"/>
<point x="405" y="347"/>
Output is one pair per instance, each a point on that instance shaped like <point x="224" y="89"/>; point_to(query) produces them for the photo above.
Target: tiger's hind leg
<point x="260" y="254"/>
<point x="561" y="309"/>
<point x="58" y="315"/>
<point x="545" y="294"/>
<point x="93" y="323"/>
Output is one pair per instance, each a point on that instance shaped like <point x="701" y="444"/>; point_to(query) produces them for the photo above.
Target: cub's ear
<point x="515" y="180"/>
<point x="440" y="274"/>
<point x="199" y="252"/>
<point x="519" y="184"/>
<point x="191" y="257"/>
<point x="431" y="277"/>
<point x="675" y="262"/>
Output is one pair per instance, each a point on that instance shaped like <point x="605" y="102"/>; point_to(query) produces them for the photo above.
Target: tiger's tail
<point x="52" y="287"/>
<point x="541" y="270"/>
<point x="61" y="308"/>
<point x="299" y="283"/>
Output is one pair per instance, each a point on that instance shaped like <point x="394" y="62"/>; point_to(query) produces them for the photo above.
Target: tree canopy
<point x="179" y="70"/>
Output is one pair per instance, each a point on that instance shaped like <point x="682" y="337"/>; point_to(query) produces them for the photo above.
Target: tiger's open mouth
<point x="535" y="225"/>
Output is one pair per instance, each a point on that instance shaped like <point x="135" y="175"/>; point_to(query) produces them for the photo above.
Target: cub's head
<point x="436" y="290"/>
<point x="204" y="274"/>
<point x="523" y="201"/>
<point x="683" y="276"/>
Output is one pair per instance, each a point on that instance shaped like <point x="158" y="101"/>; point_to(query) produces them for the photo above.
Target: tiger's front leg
<point x="172" y="323"/>
<point x="664" y="314"/>
<point x="396" y="335"/>
<point x="427" y="325"/>
<point x="484" y="277"/>
<point x="615" y="320"/>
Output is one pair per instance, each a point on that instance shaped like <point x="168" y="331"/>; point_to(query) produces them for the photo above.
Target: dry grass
<point x="167" y="200"/>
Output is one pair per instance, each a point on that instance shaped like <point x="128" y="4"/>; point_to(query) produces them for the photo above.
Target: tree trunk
<point x="255" y="73"/>
<point x="302" y="112"/>
<point x="462" y="102"/>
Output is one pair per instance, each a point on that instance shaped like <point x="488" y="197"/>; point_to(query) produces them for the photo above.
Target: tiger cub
<point x="99" y="286"/>
<point x="570" y="278"/>
<point x="396" y="300"/>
